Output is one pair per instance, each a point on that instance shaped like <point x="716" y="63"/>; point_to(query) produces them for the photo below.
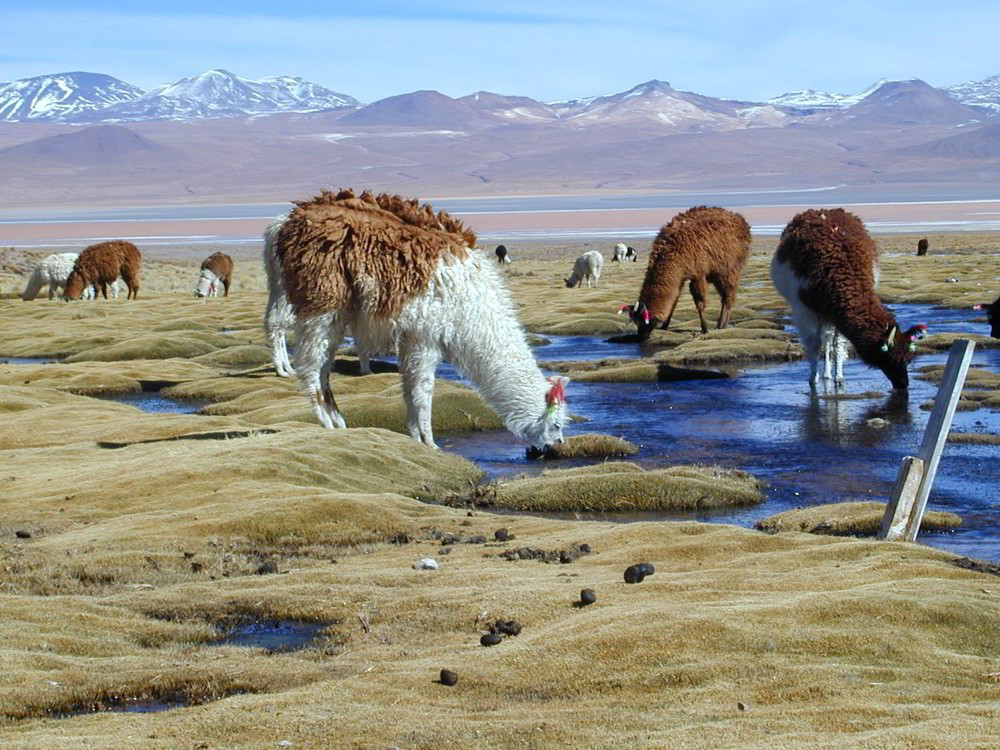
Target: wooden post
<point x="906" y="507"/>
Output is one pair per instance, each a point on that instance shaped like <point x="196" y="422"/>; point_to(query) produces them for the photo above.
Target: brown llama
<point x="922" y="246"/>
<point x="703" y="244"/>
<point x="825" y="267"/>
<point x="102" y="264"/>
<point x="406" y="279"/>
<point x="215" y="269"/>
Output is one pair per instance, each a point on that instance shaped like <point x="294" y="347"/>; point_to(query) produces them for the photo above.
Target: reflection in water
<point x="807" y="448"/>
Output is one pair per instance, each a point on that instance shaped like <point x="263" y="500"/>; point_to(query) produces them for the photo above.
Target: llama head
<point x="640" y="315"/>
<point x="75" y="285"/>
<point x="896" y="351"/>
<point x="208" y="284"/>
<point x="548" y="430"/>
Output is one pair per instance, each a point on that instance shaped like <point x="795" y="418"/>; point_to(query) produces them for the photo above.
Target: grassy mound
<point x="593" y="446"/>
<point x="848" y="519"/>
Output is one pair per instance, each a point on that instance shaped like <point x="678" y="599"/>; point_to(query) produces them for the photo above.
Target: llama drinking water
<point x="404" y="277"/>
<point x="825" y="268"/>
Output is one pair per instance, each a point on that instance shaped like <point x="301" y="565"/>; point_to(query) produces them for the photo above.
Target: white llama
<point x="401" y="276"/>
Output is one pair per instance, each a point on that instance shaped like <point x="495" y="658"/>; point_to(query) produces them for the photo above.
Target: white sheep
<point x="588" y="266"/>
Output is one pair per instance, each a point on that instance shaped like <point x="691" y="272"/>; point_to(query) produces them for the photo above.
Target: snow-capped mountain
<point x="984" y="94"/>
<point x="90" y="98"/>
<point x="63" y="96"/>
<point x="809" y="99"/>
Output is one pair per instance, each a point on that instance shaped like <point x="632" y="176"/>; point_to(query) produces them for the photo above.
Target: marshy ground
<point x="130" y="540"/>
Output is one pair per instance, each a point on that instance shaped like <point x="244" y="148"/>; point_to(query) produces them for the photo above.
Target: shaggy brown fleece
<point x="833" y="252"/>
<point x="703" y="244"/>
<point x="336" y="247"/>
<point x="102" y="264"/>
<point x="222" y="266"/>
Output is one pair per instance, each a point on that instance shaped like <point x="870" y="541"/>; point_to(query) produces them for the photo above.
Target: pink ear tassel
<point x="557" y="393"/>
<point x="624" y="308"/>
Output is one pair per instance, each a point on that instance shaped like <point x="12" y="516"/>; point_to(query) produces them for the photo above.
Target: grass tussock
<point x="593" y="446"/>
<point x="625" y="487"/>
<point x="848" y="519"/>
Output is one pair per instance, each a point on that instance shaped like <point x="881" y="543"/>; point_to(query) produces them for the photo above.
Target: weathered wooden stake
<point x="906" y="507"/>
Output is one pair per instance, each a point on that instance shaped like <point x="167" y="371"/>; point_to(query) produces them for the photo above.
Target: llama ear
<point x="557" y="390"/>
<point x="625" y="308"/>
<point x="915" y="333"/>
<point x="890" y="340"/>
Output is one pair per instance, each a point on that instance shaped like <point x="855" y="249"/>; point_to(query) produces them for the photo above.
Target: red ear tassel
<point x="625" y="308"/>
<point x="557" y="393"/>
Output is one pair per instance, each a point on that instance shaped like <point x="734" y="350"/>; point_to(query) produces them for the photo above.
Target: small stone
<point x="506" y="627"/>
<point x="742" y="706"/>
<point x="587" y="596"/>
<point x="426" y="563"/>
<point x="646" y="569"/>
<point x="585" y="548"/>
<point x="491" y="639"/>
<point x="197" y="567"/>
<point x="501" y="535"/>
<point x="448" y="677"/>
<point x="565" y="556"/>
<point x="267" y="567"/>
<point x="22" y="534"/>
<point x="634" y="574"/>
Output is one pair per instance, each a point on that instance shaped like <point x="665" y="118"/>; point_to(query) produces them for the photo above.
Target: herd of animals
<point x="405" y="279"/>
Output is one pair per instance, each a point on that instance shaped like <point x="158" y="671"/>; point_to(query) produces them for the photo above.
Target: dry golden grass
<point x="148" y="531"/>
<point x="848" y="519"/>
<point x="623" y="487"/>
<point x="594" y="446"/>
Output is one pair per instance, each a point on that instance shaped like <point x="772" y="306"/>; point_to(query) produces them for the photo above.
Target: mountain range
<point x="85" y="137"/>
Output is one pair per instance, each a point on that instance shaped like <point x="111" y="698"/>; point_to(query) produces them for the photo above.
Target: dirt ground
<point x="130" y="540"/>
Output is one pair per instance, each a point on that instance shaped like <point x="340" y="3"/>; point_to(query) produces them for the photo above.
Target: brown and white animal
<point x="280" y="316"/>
<point x="216" y="269"/>
<point x="101" y="264"/>
<point x="701" y="245"/>
<point x="623" y="252"/>
<point x="588" y="266"/>
<point x="404" y="277"/>
<point x="825" y="267"/>
<point x="992" y="316"/>
<point x="501" y="253"/>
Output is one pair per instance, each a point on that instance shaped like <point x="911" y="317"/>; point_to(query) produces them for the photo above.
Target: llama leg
<point x="810" y="335"/>
<point x="52" y="290"/>
<point x="315" y="335"/>
<point x="277" y="318"/>
<point x="839" y="355"/>
<point x="417" y="363"/>
<point x="727" y="305"/>
<point x="699" y="290"/>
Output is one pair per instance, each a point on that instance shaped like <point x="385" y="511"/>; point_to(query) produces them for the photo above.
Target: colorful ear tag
<point x="890" y="341"/>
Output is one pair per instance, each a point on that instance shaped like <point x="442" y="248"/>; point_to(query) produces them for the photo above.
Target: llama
<point x="588" y="266"/>
<point x="501" y="253"/>
<point x="216" y="269"/>
<point x="825" y="267"/>
<point x="992" y="316"/>
<point x="280" y="316"/>
<point x="922" y="246"/>
<point x="623" y="252"/>
<point x="53" y="270"/>
<point x="399" y="274"/>
<point x="101" y="264"/>
<point x="703" y="244"/>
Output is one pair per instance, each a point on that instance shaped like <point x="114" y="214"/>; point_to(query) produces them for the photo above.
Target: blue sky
<point x="745" y="49"/>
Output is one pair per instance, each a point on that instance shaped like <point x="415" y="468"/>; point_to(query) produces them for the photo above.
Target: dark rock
<point x="646" y="569"/>
<point x="491" y="639"/>
<point x="634" y="574"/>
<point x="197" y="567"/>
<point x="587" y="596"/>
<point x="448" y="677"/>
<point x="267" y="567"/>
<point x="585" y="548"/>
<point x="502" y="535"/>
<point x="477" y="539"/>
<point x="565" y="556"/>
<point x="506" y="627"/>
<point x="22" y="534"/>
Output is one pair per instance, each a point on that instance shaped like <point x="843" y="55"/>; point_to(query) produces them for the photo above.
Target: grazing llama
<point x="588" y="266"/>
<point x="704" y="244"/>
<point x="825" y="267"/>
<point x="216" y="269"/>
<point x="501" y="253"/>
<point x="622" y="253"/>
<point x="53" y="270"/>
<point x="280" y="316"/>
<point x="404" y="277"/>
<point x="101" y="264"/>
<point x="992" y="316"/>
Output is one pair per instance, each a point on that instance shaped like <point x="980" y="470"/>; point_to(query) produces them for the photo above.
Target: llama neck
<point x="660" y="290"/>
<point x="505" y="373"/>
<point x="865" y="325"/>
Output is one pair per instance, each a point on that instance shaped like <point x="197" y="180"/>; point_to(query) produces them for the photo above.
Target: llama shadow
<point x="669" y="374"/>
<point x="840" y="421"/>
<point x="352" y="367"/>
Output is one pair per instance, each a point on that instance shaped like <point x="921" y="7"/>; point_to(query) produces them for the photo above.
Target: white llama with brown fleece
<point x="404" y="277"/>
<point x="280" y="316"/>
<point x="588" y="266"/>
